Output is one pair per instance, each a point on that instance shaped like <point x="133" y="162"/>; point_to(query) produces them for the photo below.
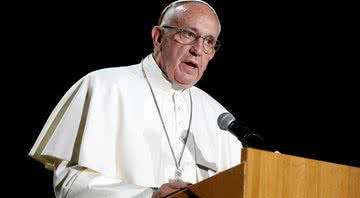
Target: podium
<point x="263" y="174"/>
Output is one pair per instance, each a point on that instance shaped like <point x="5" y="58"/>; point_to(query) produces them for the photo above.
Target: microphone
<point x="247" y="137"/>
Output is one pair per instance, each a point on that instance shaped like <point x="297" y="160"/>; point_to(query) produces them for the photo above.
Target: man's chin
<point x="185" y="85"/>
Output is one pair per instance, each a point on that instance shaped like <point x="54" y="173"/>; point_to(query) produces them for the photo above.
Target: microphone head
<point x="224" y="120"/>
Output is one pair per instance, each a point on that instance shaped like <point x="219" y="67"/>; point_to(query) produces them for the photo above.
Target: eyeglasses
<point x="186" y="37"/>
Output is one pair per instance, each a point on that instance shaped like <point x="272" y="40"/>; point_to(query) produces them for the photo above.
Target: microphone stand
<point x="254" y="140"/>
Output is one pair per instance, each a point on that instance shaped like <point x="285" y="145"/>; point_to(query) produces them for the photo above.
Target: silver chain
<point x="177" y="163"/>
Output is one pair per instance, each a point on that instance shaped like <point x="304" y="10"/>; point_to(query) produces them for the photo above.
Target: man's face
<point x="185" y="64"/>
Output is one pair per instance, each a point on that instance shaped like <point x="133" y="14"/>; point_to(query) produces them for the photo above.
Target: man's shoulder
<point x="199" y="92"/>
<point x="117" y="71"/>
<point x="204" y="96"/>
<point x="116" y="74"/>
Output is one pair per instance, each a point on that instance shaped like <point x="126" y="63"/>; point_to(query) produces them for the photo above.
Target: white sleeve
<point x="79" y="182"/>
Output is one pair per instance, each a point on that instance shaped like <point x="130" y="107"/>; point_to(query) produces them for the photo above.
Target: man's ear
<point x="156" y="35"/>
<point x="212" y="55"/>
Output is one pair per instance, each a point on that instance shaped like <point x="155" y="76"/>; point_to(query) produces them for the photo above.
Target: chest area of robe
<point x="149" y="140"/>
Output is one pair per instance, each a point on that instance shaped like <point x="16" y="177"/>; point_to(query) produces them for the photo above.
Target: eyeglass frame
<point x="196" y="36"/>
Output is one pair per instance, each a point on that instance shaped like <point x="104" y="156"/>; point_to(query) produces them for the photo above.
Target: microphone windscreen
<point x="224" y="120"/>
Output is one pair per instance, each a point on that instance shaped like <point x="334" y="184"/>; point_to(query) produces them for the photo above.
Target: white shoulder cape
<point x="107" y="121"/>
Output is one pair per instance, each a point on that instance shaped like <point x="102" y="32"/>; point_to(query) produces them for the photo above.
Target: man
<point x="143" y="130"/>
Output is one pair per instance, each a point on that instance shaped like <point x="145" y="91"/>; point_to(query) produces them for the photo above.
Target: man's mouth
<point x="191" y="64"/>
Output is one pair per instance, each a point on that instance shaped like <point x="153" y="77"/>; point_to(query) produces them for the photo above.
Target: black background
<point x="288" y="70"/>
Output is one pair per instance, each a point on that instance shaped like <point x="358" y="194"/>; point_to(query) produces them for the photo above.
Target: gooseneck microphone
<point x="245" y="135"/>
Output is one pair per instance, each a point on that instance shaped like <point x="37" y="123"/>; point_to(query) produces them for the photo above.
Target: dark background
<point x="288" y="70"/>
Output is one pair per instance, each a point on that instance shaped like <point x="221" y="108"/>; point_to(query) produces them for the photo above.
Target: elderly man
<point x="143" y="130"/>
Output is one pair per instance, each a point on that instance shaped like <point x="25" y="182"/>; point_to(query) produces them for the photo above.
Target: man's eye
<point x="209" y="41"/>
<point x="188" y="34"/>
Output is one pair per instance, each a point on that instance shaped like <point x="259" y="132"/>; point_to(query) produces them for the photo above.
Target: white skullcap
<point x="184" y="1"/>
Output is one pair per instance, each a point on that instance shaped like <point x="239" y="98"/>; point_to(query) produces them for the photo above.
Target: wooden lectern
<point x="264" y="174"/>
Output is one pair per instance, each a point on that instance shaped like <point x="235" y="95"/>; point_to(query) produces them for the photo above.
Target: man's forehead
<point x="198" y="23"/>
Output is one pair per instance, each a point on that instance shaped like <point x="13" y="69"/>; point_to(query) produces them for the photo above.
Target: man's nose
<point x="197" y="47"/>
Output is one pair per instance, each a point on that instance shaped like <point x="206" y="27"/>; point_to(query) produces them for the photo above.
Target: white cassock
<point x="105" y="138"/>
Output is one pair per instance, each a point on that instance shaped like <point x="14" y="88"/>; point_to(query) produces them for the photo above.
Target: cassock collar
<point x="157" y="78"/>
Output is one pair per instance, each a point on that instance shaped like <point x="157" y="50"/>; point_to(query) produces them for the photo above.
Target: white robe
<point x="108" y="123"/>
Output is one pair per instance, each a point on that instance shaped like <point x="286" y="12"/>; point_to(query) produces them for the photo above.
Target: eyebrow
<point x="197" y="31"/>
